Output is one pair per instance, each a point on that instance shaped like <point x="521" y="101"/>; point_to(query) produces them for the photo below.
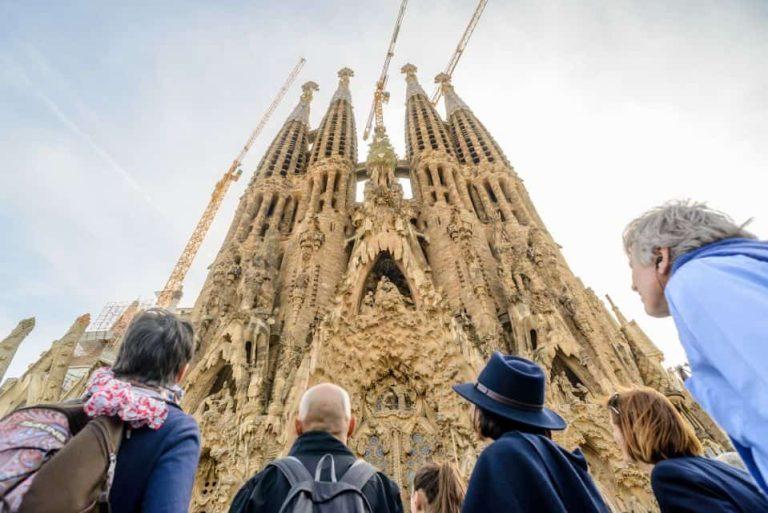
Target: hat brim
<point x="544" y="418"/>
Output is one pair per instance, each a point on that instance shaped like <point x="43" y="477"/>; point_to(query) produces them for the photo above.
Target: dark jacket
<point x="156" y="468"/>
<point x="266" y="491"/>
<point x="695" y="484"/>
<point x="523" y="472"/>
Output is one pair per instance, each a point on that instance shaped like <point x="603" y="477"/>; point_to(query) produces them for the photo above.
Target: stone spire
<point x="472" y="141"/>
<point x="301" y="112"/>
<point x="413" y="86"/>
<point x="451" y="99"/>
<point x="11" y="343"/>
<point x="424" y="129"/>
<point x="619" y="316"/>
<point x="382" y="160"/>
<point x="342" y="92"/>
<point x="287" y="155"/>
<point x="61" y="354"/>
<point x="336" y="135"/>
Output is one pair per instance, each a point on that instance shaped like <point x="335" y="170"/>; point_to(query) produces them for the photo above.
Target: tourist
<point x="523" y="470"/>
<point x="437" y="488"/>
<point x="651" y="432"/>
<point x="711" y="276"/>
<point x="323" y="425"/>
<point x="159" y="453"/>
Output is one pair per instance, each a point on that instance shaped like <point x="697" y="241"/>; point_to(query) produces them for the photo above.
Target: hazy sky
<point x="116" y="120"/>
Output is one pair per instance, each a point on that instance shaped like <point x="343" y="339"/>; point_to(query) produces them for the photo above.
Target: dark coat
<point x="523" y="472"/>
<point x="156" y="469"/>
<point x="695" y="484"/>
<point x="266" y="491"/>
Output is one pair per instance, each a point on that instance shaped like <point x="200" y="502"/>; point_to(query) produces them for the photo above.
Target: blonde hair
<point x="442" y="485"/>
<point x="652" y="428"/>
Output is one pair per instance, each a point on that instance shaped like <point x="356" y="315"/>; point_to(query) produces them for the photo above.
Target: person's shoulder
<point x="690" y="273"/>
<point x="178" y="423"/>
<point x="388" y="483"/>
<point x="678" y="469"/>
<point x="513" y="441"/>
<point x="515" y="445"/>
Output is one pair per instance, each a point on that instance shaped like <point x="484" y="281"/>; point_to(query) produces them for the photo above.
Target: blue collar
<point x="704" y="251"/>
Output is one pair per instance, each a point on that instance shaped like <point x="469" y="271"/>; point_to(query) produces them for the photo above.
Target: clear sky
<point x="117" y="118"/>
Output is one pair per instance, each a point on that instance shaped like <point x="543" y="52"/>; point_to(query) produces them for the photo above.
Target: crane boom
<point x="460" y="47"/>
<point x="171" y="293"/>
<point x="379" y="95"/>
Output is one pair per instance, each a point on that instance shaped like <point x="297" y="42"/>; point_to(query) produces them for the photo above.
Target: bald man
<point x="324" y="424"/>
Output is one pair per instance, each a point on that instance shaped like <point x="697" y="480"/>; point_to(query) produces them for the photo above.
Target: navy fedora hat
<point x="512" y="387"/>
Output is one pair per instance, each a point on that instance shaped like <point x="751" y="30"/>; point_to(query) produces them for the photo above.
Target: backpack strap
<point x="359" y="474"/>
<point x="293" y="470"/>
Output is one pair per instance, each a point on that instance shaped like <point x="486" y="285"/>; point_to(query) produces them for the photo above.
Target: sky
<point x="117" y="119"/>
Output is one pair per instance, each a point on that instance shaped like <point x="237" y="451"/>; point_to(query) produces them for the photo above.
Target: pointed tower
<point x="61" y="353"/>
<point x="494" y="186"/>
<point x="10" y="344"/>
<point x="457" y="253"/>
<point x="317" y="251"/>
<point x="266" y="214"/>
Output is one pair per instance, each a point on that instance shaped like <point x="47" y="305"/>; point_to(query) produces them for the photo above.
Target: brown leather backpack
<point x="77" y="477"/>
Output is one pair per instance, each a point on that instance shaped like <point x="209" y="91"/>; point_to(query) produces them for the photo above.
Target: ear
<point x="298" y="426"/>
<point x="418" y="501"/>
<point x="663" y="262"/>
<point x="352" y="426"/>
<point x="182" y="373"/>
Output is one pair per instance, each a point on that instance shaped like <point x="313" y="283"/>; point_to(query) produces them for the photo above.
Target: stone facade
<point x="393" y="298"/>
<point x="396" y="299"/>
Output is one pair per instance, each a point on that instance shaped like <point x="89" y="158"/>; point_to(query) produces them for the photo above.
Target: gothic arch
<point x="384" y="265"/>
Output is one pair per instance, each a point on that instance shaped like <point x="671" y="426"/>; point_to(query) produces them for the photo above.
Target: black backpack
<point x="311" y="495"/>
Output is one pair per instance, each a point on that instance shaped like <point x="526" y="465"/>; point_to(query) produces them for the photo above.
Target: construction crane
<point x="380" y="96"/>
<point x="460" y="47"/>
<point x="171" y="293"/>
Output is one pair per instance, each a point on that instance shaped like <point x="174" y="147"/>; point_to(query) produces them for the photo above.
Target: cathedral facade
<point x="396" y="299"/>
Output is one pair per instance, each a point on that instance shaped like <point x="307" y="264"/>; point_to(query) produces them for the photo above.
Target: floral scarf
<point x="134" y="404"/>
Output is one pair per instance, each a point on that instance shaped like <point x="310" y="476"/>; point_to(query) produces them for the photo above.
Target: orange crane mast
<point x="380" y="96"/>
<point x="460" y="47"/>
<point x="171" y="293"/>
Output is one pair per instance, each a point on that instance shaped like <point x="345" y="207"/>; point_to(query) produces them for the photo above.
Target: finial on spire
<point x="344" y="74"/>
<point x="413" y="83"/>
<point x="443" y="79"/>
<point x="342" y="92"/>
<point x="308" y="89"/>
<point x="409" y="70"/>
<point x="301" y="112"/>
<point x="451" y="99"/>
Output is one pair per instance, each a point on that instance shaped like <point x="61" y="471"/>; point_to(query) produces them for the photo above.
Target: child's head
<point x="648" y="428"/>
<point x="437" y="488"/>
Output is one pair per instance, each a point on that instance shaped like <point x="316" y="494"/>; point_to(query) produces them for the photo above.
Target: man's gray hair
<point x="681" y="226"/>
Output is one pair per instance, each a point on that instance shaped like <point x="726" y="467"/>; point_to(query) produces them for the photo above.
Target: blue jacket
<point x="156" y="469"/>
<point x="694" y="484"/>
<point x="522" y="472"/>
<point x="718" y="297"/>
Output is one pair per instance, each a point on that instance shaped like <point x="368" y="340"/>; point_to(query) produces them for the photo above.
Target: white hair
<point x="309" y="395"/>
<point x="681" y="226"/>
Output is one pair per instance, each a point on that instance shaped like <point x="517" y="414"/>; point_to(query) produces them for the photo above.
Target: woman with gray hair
<point x="158" y="457"/>
<point x="697" y="265"/>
